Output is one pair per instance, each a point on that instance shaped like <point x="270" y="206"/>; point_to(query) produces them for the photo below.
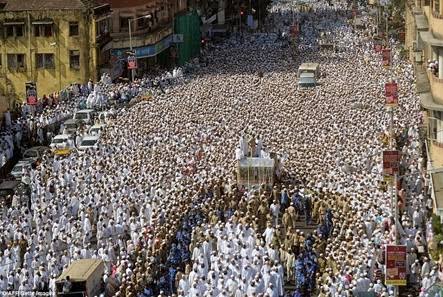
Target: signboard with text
<point x="395" y="265"/>
<point x="31" y="93"/>
<point x="391" y="94"/>
<point x="386" y="57"/>
<point x="132" y="62"/>
<point x="391" y="164"/>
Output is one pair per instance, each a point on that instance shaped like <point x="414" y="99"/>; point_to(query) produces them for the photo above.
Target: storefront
<point x="147" y="56"/>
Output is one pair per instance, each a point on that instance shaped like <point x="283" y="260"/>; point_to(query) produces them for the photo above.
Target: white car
<point x="59" y="141"/>
<point x="61" y="145"/>
<point x="96" y="129"/>
<point x="17" y="171"/>
<point x="89" y="141"/>
<point x="85" y="115"/>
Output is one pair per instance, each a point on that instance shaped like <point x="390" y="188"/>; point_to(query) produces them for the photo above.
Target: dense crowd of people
<point x="158" y="201"/>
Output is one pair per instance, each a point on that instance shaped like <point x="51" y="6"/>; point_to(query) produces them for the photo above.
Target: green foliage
<point x="437" y="227"/>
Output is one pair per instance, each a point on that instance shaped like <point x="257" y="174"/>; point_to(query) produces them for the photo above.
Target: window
<point x="14" y="30"/>
<point x="43" y="30"/>
<point x="16" y="61"/>
<point x="143" y="22"/>
<point x="73" y="28"/>
<point x="124" y="24"/>
<point x="44" y="61"/>
<point x="74" y="59"/>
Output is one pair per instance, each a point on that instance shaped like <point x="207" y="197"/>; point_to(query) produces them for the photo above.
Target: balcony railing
<point x="435" y="78"/>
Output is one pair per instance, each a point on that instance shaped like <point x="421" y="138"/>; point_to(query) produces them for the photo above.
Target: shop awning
<point x="13" y="23"/>
<point x="421" y="22"/>
<point x="126" y="15"/>
<point x="45" y="22"/>
<point x="427" y="37"/>
<point x="143" y="13"/>
<point x="427" y="101"/>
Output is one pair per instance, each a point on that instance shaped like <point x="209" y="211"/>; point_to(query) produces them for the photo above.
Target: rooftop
<point x="20" y="5"/>
<point x="126" y="3"/>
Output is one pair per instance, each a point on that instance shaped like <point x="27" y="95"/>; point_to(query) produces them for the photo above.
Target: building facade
<point x="147" y="26"/>
<point x="52" y="43"/>
<point x="424" y="42"/>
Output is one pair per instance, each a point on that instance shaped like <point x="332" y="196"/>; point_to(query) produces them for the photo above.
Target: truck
<point x="85" y="277"/>
<point x="308" y="74"/>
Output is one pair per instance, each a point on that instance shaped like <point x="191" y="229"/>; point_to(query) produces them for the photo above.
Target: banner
<point x="391" y="93"/>
<point x="132" y="62"/>
<point x="377" y="47"/>
<point x="395" y="265"/>
<point x="31" y="93"/>
<point x="386" y="56"/>
<point x="294" y="29"/>
<point x="391" y="163"/>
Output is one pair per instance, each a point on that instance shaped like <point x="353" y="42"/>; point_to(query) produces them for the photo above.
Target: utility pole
<point x="394" y="190"/>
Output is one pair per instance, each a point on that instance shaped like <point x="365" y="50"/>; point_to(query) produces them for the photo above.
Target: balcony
<point x="436" y="87"/>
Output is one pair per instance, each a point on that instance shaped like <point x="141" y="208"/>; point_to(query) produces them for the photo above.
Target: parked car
<point x="36" y="153"/>
<point x="85" y="115"/>
<point x="17" y="171"/>
<point x="71" y="126"/>
<point x="88" y="141"/>
<point x="10" y="187"/>
<point x="96" y="129"/>
<point x="60" y="145"/>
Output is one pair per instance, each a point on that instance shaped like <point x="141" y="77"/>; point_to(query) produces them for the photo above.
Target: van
<point x="308" y="73"/>
<point x="85" y="276"/>
<point x="84" y="115"/>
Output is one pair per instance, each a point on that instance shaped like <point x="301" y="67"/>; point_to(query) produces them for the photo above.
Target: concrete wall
<point x="410" y="32"/>
<point x="60" y="44"/>
<point x="436" y="88"/>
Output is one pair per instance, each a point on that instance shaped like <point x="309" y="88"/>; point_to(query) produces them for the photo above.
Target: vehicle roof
<point x="27" y="160"/>
<point x="71" y="121"/>
<point x="91" y="137"/>
<point x="307" y="74"/>
<point x="8" y="184"/>
<point x="84" y="110"/>
<point x="309" y="66"/>
<point x="61" y="136"/>
<point x="80" y="270"/>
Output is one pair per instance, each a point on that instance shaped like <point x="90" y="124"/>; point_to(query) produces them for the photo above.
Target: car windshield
<point x="90" y="142"/>
<point x="30" y="154"/>
<point x="71" y="126"/>
<point x="81" y="116"/>
<point x="19" y="167"/>
<point x="59" y="140"/>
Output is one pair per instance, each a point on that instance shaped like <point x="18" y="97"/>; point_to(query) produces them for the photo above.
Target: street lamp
<point x="148" y="16"/>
